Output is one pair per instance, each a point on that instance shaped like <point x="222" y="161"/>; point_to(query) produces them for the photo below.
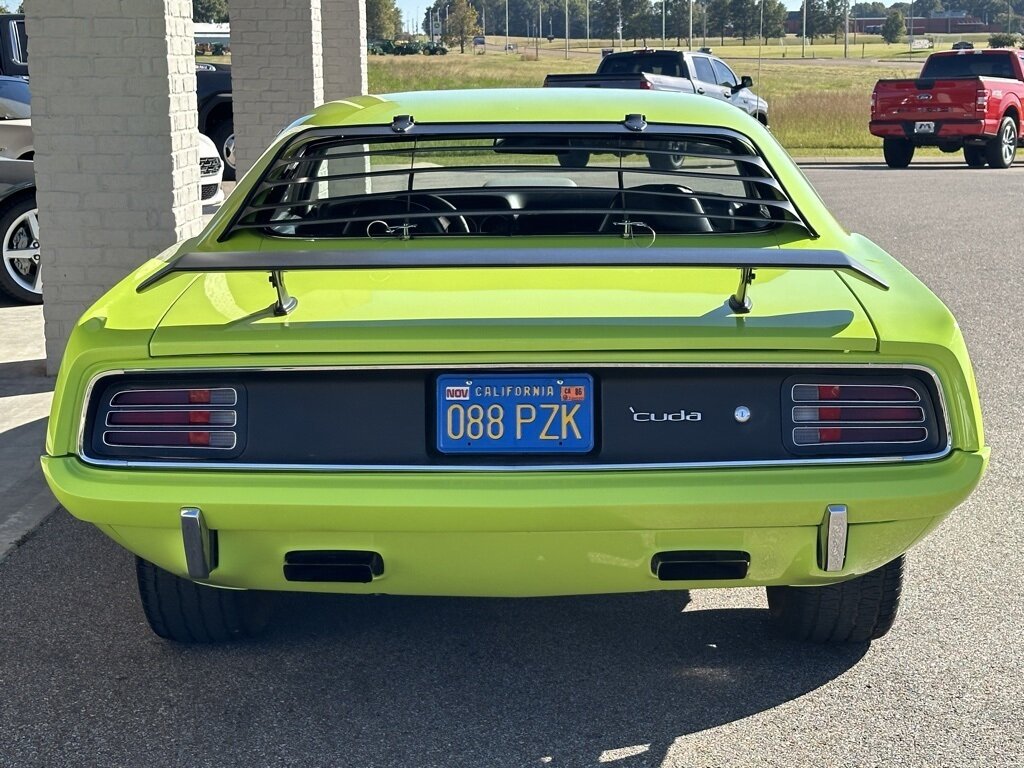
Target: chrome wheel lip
<point x="1009" y="142"/>
<point x="33" y="281"/>
<point x="228" y="150"/>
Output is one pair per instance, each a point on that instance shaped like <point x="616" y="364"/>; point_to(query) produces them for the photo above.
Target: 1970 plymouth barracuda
<point x="412" y="354"/>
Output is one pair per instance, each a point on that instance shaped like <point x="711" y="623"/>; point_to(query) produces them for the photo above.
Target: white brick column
<point x="116" y="161"/>
<point x="344" y="30"/>
<point x="276" y="69"/>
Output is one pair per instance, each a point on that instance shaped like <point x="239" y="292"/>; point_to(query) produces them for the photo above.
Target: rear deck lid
<point x="496" y="310"/>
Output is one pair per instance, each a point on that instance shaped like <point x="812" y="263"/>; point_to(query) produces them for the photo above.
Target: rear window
<point x="517" y="183"/>
<point x="655" y="63"/>
<point x="969" y="65"/>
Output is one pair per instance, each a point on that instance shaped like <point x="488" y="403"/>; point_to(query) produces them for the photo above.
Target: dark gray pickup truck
<point x="679" y="71"/>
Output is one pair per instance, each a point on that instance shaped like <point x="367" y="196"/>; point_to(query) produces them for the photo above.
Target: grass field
<point x="818" y="106"/>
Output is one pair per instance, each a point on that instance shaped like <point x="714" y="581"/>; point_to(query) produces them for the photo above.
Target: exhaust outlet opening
<point x="338" y="565"/>
<point x="700" y="565"/>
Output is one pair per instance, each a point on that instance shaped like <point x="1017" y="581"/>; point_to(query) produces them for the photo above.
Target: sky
<point x="415" y="9"/>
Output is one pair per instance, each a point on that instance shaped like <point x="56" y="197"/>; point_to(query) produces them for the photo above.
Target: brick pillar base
<point x="116" y="160"/>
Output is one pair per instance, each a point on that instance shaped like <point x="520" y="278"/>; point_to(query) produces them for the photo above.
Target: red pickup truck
<point x="967" y="99"/>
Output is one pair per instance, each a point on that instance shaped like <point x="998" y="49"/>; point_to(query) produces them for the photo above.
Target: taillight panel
<point x="366" y="418"/>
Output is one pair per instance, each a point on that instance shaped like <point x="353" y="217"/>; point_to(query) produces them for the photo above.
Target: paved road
<point x="626" y="681"/>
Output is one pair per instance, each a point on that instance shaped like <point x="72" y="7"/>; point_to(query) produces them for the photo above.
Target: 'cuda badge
<point x="680" y="415"/>
<point x="924" y="97"/>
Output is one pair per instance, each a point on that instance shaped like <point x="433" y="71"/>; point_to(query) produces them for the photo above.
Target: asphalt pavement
<point x="626" y="681"/>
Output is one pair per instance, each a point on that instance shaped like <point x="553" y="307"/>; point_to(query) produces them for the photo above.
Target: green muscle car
<point x="590" y="342"/>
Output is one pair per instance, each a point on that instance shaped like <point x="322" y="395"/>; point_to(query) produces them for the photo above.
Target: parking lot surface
<point x="629" y="680"/>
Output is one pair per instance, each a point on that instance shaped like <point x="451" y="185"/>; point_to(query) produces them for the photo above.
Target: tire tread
<point x="186" y="612"/>
<point x="855" y="611"/>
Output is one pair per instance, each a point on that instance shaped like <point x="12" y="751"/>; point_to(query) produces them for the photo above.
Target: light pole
<point x="588" y="25"/>
<point x="689" y="36"/>
<point x="566" y="30"/>
<point x="846" y="29"/>
<point x="663" y="4"/>
<point x="911" y="29"/>
<point x="803" y="35"/>
<point x="506" y="27"/>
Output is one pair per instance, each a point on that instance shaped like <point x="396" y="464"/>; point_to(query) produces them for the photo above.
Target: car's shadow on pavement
<point x="570" y="679"/>
<point x="376" y="681"/>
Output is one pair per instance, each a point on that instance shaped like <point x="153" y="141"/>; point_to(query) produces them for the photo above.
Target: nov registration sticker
<point x="515" y="413"/>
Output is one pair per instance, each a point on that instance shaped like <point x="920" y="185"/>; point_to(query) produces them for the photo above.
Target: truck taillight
<point x="645" y="85"/>
<point x="874" y="103"/>
<point x="981" y="104"/>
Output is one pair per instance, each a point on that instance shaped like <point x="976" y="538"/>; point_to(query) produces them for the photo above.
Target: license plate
<point x="515" y="413"/>
<point x="924" y="127"/>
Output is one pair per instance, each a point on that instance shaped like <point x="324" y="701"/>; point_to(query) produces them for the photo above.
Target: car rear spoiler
<point x="747" y="260"/>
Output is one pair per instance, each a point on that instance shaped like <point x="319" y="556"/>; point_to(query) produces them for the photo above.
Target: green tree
<point x="894" y="27"/>
<point x="817" y="24"/>
<point x="638" y="20"/>
<point x="774" y="19"/>
<point x="873" y="10"/>
<point x="719" y="16"/>
<point x="462" y="24"/>
<point x="834" y="16"/>
<point x="210" y="11"/>
<point x="604" y="18"/>
<point x="383" y="19"/>
<point x="745" y="15"/>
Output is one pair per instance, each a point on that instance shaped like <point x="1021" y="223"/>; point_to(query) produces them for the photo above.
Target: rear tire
<point x="897" y="152"/>
<point x="660" y="162"/>
<point x="975" y="156"/>
<point x="574" y="158"/>
<point x="19" y="259"/>
<point x="853" y="611"/>
<point x="1002" y="149"/>
<point x="181" y="610"/>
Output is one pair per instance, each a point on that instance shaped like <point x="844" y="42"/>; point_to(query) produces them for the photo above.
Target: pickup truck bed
<point x="968" y="100"/>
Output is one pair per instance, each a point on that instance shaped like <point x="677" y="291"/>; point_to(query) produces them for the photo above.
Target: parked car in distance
<point x="15" y="119"/>
<point x="211" y="173"/>
<point x="963" y="45"/>
<point x="20" y="277"/>
<point x="677" y="71"/>
<point x="471" y="371"/>
<point x="965" y="99"/>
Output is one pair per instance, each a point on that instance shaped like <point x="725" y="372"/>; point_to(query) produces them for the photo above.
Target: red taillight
<point x="142" y="418"/>
<point x="855" y="413"/>
<point x="645" y="85"/>
<point x="981" y="103"/>
<point x="219" y="396"/>
<point x="855" y="393"/>
<point x="804" y="436"/>
<point x="169" y="439"/>
<point x="857" y="416"/>
<point x="172" y="418"/>
<point x="874" y="103"/>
